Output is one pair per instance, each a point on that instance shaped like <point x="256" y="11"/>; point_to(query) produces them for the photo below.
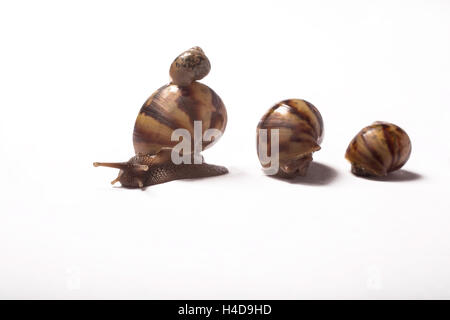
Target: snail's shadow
<point x="396" y="176"/>
<point x="318" y="174"/>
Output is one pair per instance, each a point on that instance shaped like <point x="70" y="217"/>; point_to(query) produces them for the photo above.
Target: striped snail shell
<point x="301" y="131"/>
<point x="174" y="107"/>
<point x="378" y="149"/>
<point x="189" y="66"/>
<point x="177" y="105"/>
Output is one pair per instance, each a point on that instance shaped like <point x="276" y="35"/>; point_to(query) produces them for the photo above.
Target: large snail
<point x="300" y="132"/>
<point x="182" y="104"/>
<point x="378" y="149"/>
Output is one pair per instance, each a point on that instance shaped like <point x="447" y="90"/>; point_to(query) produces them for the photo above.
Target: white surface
<point x="73" y="77"/>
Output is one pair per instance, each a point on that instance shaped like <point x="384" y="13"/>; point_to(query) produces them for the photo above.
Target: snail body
<point x="300" y="129"/>
<point x="378" y="149"/>
<point x="178" y="105"/>
<point x="147" y="170"/>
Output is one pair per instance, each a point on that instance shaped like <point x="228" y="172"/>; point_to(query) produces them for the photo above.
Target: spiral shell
<point x="178" y="105"/>
<point x="189" y="66"/>
<point x="173" y="107"/>
<point x="301" y="130"/>
<point x="378" y="149"/>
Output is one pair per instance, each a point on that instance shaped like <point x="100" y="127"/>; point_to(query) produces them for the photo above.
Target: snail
<point x="300" y="132"/>
<point x="378" y="149"/>
<point x="184" y="104"/>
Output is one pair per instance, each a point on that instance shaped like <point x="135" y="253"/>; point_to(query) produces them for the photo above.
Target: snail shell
<point x="301" y="131"/>
<point x="378" y="149"/>
<point x="178" y="104"/>
<point x="189" y="66"/>
<point x="172" y="107"/>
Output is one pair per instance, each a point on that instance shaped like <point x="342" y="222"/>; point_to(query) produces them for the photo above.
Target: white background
<point x="73" y="76"/>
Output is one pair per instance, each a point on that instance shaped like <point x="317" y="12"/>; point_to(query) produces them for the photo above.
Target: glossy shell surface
<point x="173" y="107"/>
<point x="300" y="128"/>
<point x="379" y="149"/>
<point x="189" y="66"/>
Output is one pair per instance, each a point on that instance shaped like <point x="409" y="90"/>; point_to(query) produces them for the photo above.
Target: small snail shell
<point x="189" y="66"/>
<point x="378" y="149"/>
<point x="301" y="131"/>
<point x="176" y="105"/>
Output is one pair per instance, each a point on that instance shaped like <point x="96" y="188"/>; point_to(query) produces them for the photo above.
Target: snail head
<point x="135" y="172"/>
<point x="131" y="175"/>
<point x="290" y="168"/>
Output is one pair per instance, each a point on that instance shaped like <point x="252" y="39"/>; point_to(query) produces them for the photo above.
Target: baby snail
<point x="378" y="149"/>
<point x="183" y="104"/>
<point x="300" y="132"/>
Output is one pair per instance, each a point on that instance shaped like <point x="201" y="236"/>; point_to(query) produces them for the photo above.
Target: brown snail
<point x="378" y="149"/>
<point x="300" y="132"/>
<point x="183" y="104"/>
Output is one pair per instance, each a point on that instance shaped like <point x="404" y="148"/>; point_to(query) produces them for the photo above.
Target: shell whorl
<point x="301" y="131"/>
<point x="379" y="149"/>
<point x="172" y="107"/>
<point x="189" y="66"/>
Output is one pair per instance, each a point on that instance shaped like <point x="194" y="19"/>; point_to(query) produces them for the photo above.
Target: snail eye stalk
<point x="122" y="165"/>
